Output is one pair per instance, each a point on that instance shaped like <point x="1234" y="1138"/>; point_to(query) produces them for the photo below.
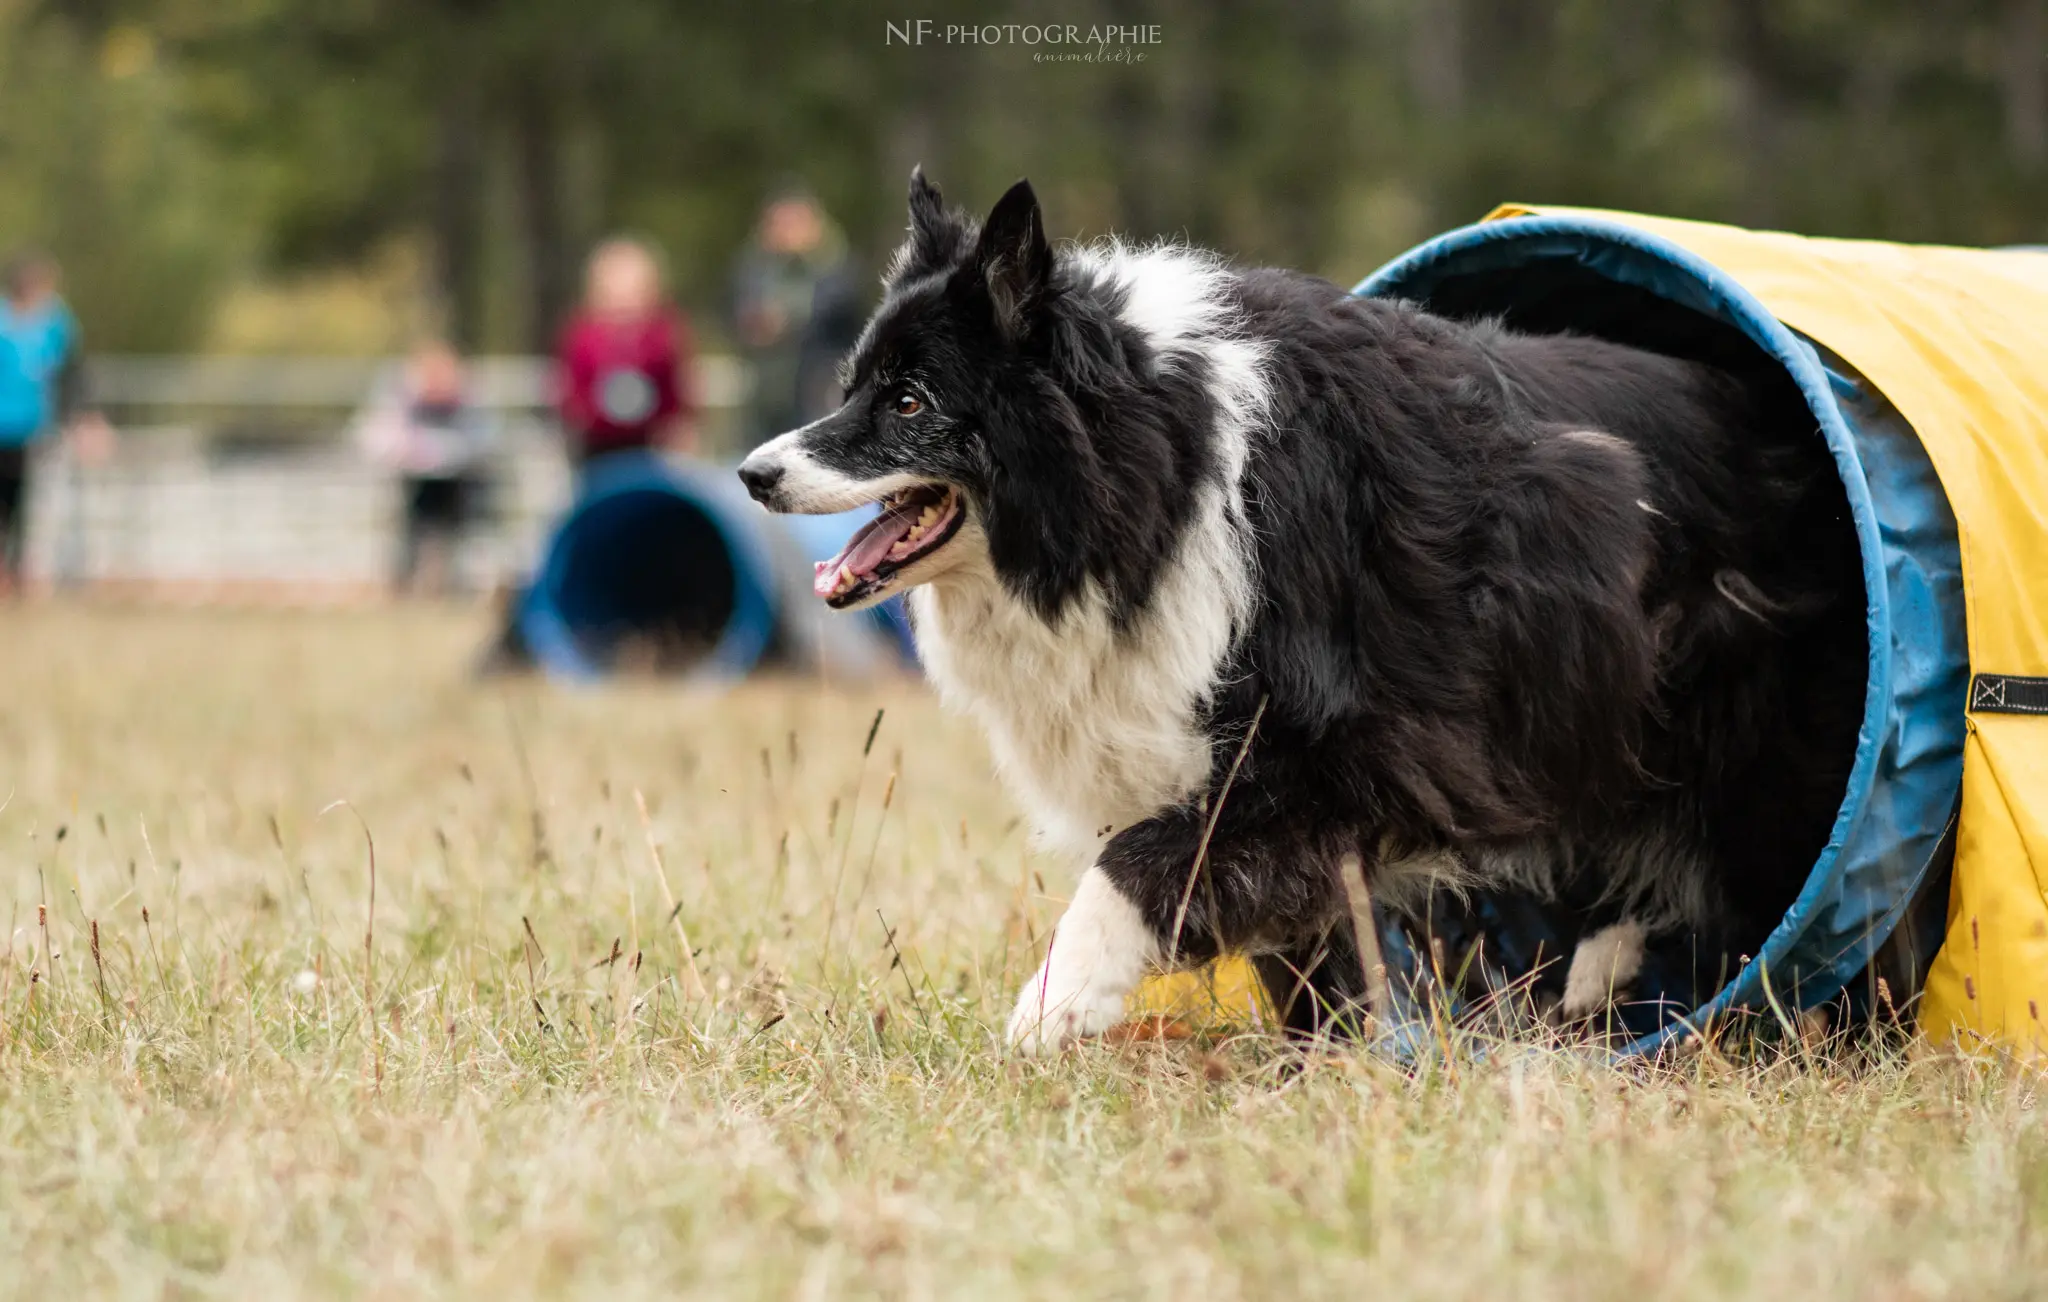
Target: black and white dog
<point x="1496" y="611"/>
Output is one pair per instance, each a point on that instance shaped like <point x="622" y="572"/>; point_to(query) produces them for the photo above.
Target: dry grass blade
<point x="1187" y="895"/>
<point x="1358" y="897"/>
<point x="369" y="946"/>
<point x="695" y="982"/>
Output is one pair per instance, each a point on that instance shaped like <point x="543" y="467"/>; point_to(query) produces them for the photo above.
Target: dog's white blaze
<point x="1099" y="954"/>
<point x="814" y="489"/>
<point x="1094" y="727"/>
<point x="1603" y="963"/>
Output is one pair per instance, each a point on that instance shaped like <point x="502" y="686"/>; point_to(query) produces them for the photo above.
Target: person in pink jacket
<point x="623" y="362"/>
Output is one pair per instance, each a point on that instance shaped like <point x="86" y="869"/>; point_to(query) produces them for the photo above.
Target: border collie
<point x="1246" y="577"/>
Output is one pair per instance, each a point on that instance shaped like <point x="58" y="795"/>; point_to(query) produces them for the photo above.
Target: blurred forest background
<point x="335" y="175"/>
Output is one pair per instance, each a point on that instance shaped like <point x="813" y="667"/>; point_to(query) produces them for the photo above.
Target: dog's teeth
<point x="931" y="513"/>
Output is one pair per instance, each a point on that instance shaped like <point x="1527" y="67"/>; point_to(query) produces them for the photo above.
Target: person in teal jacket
<point x="40" y="383"/>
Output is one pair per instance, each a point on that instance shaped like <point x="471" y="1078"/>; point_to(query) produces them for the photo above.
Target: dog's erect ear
<point x="932" y="235"/>
<point x="927" y="205"/>
<point x="1013" y="257"/>
<point x="938" y="238"/>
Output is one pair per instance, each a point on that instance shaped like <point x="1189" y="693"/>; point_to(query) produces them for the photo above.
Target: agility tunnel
<point x="1926" y="371"/>
<point x="667" y="566"/>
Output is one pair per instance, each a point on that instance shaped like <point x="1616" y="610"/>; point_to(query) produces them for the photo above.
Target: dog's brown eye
<point x="907" y="404"/>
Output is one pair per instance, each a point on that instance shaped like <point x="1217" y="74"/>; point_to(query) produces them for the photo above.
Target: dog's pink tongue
<point x="865" y="550"/>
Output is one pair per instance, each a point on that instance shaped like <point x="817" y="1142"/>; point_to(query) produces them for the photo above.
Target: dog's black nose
<point x="760" y="477"/>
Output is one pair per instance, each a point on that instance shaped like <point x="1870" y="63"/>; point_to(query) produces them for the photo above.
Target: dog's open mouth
<point x="913" y="524"/>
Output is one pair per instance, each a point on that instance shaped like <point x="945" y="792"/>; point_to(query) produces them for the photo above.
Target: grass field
<point x="526" y="1086"/>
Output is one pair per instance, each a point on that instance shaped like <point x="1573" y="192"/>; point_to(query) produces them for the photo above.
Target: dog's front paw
<point x="1052" y="1013"/>
<point x="1099" y="953"/>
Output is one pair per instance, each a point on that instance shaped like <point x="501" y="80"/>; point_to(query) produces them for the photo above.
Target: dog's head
<point x="951" y="360"/>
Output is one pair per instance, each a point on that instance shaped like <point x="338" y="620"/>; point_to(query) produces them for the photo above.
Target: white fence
<point x="234" y="477"/>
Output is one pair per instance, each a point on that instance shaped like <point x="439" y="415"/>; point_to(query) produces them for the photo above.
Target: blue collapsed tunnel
<point x="1873" y="903"/>
<point x="670" y="568"/>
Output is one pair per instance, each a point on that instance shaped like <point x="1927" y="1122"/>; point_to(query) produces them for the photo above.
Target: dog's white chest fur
<point x="1093" y="730"/>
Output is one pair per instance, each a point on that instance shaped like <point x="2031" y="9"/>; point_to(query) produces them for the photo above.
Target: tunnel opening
<point x="1838" y="703"/>
<point x="1768" y="835"/>
<point x="644" y="582"/>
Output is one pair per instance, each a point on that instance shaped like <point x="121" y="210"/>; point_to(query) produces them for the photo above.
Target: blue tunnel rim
<point x="1493" y="245"/>
<point x="619" y="476"/>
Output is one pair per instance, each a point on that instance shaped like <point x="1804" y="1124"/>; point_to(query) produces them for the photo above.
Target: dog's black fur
<point x="1584" y="617"/>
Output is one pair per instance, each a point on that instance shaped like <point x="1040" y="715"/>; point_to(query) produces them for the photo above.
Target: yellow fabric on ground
<point x="1223" y="993"/>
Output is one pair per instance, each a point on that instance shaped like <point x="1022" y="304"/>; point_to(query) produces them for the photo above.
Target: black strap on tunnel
<point x="2008" y="694"/>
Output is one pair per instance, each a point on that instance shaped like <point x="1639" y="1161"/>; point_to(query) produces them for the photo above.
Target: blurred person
<point x="41" y="390"/>
<point x="623" y="363"/>
<point x="796" y="312"/>
<point x="426" y="429"/>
